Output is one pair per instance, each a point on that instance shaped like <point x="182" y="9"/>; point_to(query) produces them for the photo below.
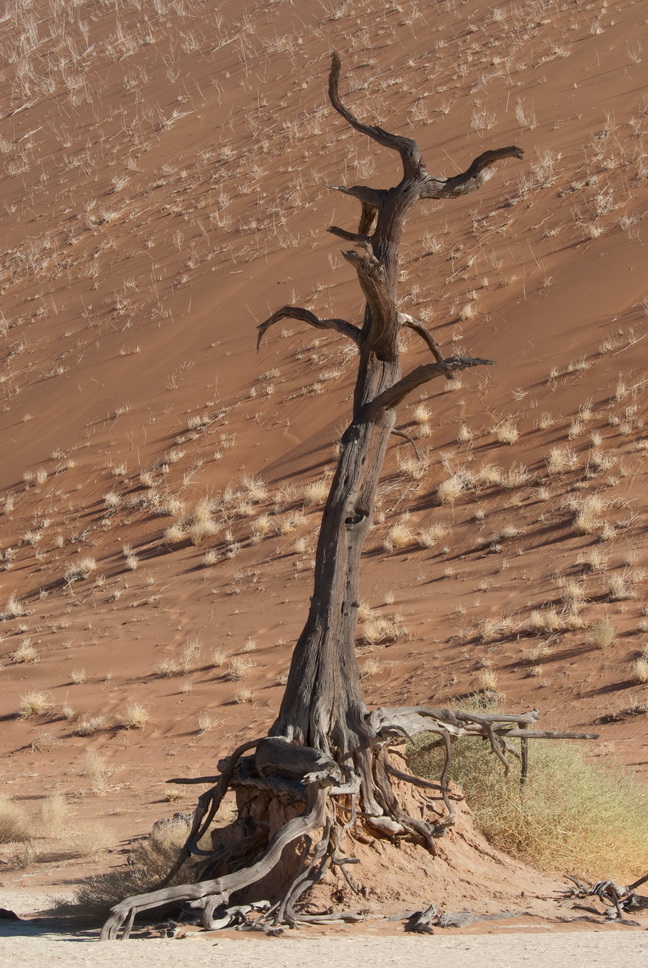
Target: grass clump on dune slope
<point x="574" y="816"/>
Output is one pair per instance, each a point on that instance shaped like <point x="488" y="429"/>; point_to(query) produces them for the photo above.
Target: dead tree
<point x="326" y="747"/>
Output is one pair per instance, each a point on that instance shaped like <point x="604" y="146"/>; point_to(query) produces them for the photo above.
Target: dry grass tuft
<point x="190" y="654"/>
<point x="593" y="559"/>
<point x="622" y="587"/>
<point x="587" y="517"/>
<point x="207" y="722"/>
<point x="492" y="629"/>
<point x="255" y="488"/>
<point x="219" y="657"/>
<point x="560" y="460"/>
<point x="167" y="668"/>
<point x="243" y="696"/>
<point x="14" y="608"/>
<point x="411" y="466"/>
<point x="381" y="629"/>
<point x="175" y="534"/>
<point x="238" y="669"/>
<point x="290" y="522"/>
<point x="371" y="667"/>
<point x="53" y="813"/>
<point x="490" y="475"/>
<point x="316" y="493"/>
<point x="261" y="527"/>
<point x="80" y="570"/>
<point x="601" y="634"/>
<point x="85" y="841"/>
<point x="449" y="490"/>
<point x="201" y="529"/>
<point x="399" y="536"/>
<point x="90" y="725"/>
<point x="15" y="825"/>
<point x="640" y="671"/>
<point x="535" y="654"/>
<point x="488" y="681"/>
<point x="34" y="703"/>
<point x="136" y="716"/>
<point x="542" y="621"/>
<point x="25" y="652"/>
<point x="429" y="537"/>
<point x="97" y="772"/>
<point x="506" y="432"/>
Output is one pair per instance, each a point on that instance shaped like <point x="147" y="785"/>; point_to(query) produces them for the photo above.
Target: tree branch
<point x="422" y="374"/>
<point x="349" y="236"/>
<point x="410" y="440"/>
<point x="371" y="197"/>
<point x="408" y="150"/>
<point x="305" y="316"/>
<point x="480" y="170"/>
<point x="546" y="734"/>
<point x="426" y="336"/>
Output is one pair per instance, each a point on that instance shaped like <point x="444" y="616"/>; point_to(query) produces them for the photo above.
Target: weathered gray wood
<point x="305" y="316"/>
<point x="222" y="887"/>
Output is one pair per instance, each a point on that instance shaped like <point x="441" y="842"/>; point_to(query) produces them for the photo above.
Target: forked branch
<point x="305" y="316"/>
<point x="406" y="148"/>
<point x="414" y="170"/>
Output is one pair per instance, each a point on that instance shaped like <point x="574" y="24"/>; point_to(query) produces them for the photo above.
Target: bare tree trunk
<point x="325" y="743"/>
<point x="323" y="705"/>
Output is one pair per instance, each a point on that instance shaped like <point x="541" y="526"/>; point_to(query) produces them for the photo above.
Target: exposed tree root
<point x="331" y="793"/>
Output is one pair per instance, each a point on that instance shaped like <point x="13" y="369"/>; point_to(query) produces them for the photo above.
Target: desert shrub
<point x="640" y="670"/>
<point x="567" y="819"/>
<point x="14" y="822"/>
<point x="25" y="652"/>
<point x="149" y="862"/>
<point x="381" y="628"/>
<point x="80" y="569"/>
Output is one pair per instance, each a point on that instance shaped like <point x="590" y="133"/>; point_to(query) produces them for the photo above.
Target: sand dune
<point x="164" y="186"/>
